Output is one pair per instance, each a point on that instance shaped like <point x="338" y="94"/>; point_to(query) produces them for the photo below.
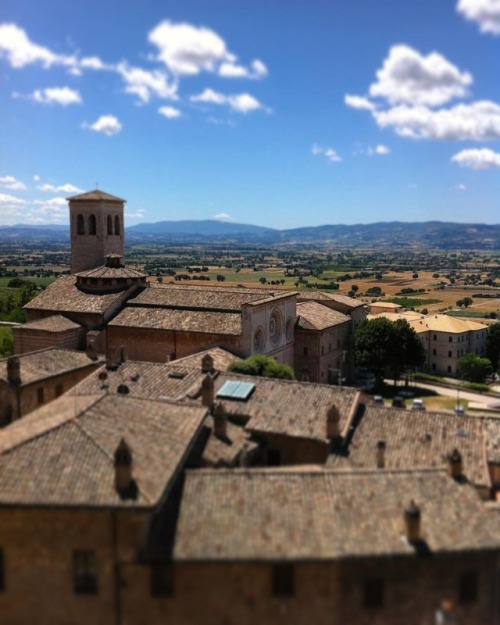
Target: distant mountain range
<point x="431" y="234"/>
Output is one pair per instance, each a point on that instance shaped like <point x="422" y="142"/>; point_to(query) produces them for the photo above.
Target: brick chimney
<point x="207" y="391"/>
<point x="381" y="446"/>
<point x="455" y="465"/>
<point x="14" y="370"/>
<point x="332" y="422"/>
<point x="220" y="421"/>
<point x="91" y="351"/>
<point x="412" y="522"/>
<point x="123" y="469"/>
<point x="207" y="364"/>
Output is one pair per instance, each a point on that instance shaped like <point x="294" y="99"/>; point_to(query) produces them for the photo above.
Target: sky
<point x="279" y="113"/>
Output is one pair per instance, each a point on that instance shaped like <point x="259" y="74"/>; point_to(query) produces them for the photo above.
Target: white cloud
<point x="169" y="112"/>
<point x="231" y="70"/>
<point x="57" y="95"/>
<point x="11" y="200"/>
<point x="53" y="202"/>
<point x="54" y="210"/>
<point x="143" y="83"/>
<point x="9" y="182"/>
<point x="485" y="12"/>
<point x="93" y="62"/>
<point x="222" y="217"/>
<point x="479" y="121"/>
<point x="382" y="150"/>
<point x="187" y="49"/>
<point x="328" y="152"/>
<point x="461" y="187"/>
<point x="358" y="102"/>
<point x="409" y="77"/>
<point x="36" y="178"/>
<point x="241" y="103"/>
<point x="106" y="124"/>
<point x="16" y="46"/>
<point x="477" y="159"/>
<point x="63" y="188"/>
<point x="137" y="214"/>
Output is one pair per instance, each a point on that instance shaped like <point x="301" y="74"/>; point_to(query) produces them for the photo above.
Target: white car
<point x="418" y="404"/>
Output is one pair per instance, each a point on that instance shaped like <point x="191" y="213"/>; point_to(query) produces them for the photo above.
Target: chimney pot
<point x="412" y="518"/>
<point x="381" y="446"/>
<point x="14" y="370"/>
<point x="207" y="391"/>
<point x="220" y="421"/>
<point x="332" y="422"/>
<point x="207" y="364"/>
<point x="455" y="464"/>
<point x="123" y="469"/>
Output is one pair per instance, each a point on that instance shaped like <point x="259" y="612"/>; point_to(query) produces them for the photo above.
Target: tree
<point x="263" y="279"/>
<point x="388" y="347"/>
<point x="262" y="366"/>
<point x="473" y="368"/>
<point x="220" y="277"/>
<point x="493" y="345"/>
<point x="354" y="288"/>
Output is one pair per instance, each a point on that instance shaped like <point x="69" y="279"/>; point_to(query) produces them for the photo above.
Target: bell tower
<point x="96" y="229"/>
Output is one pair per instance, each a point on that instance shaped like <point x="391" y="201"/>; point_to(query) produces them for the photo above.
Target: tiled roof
<point x="55" y="323"/>
<point x="382" y="304"/>
<point x="241" y="515"/>
<point x="304" y="296"/>
<point x="445" y="323"/>
<point x="225" y="452"/>
<point x="96" y="194"/>
<point x="104" y="271"/>
<point x="181" y="320"/>
<point x="63" y="295"/>
<point x="65" y="456"/>
<point x="205" y="298"/>
<point x="221" y="357"/>
<point x="36" y="366"/>
<point x="392" y="316"/>
<point x="315" y="316"/>
<point x="422" y="440"/>
<point x="491" y="428"/>
<point x="289" y="408"/>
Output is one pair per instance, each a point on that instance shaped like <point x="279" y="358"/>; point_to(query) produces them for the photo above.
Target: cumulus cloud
<point x="461" y="187"/>
<point x="137" y="214"/>
<point x="409" y="77"/>
<point x="9" y="182"/>
<point x="485" y="12"/>
<point x="19" y="51"/>
<point x="144" y="83"/>
<point x="222" y="217"/>
<point x="63" y="188"/>
<point x="57" y="95"/>
<point x="256" y="70"/>
<point x="359" y="102"/>
<point x="479" y="121"/>
<point x="169" y="112"/>
<point x="382" y="150"/>
<point x="477" y="159"/>
<point x="106" y="124"/>
<point x="241" y="103"/>
<point x="11" y="200"/>
<point x="328" y="152"/>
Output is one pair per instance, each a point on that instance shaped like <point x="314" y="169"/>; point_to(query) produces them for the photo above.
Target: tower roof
<point x="96" y="195"/>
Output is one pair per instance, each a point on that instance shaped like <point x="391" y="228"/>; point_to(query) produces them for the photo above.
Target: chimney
<point x="114" y="261"/>
<point x="122" y="354"/>
<point x="455" y="465"/>
<point x="123" y="469"/>
<point x="207" y="364"/>
<point x="91" y="351"/>
<point x="381" y="454"/>
<point x="14" y="370"/>
<point x="220" y="421"/>
<point x="412" y="522"/>
<point x="332" y="422"/>
<point x="207" y="391"/>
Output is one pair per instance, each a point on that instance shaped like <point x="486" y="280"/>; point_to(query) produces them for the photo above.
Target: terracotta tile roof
<point x="96" y="194"/>
<point x="289" y="408"/>
<point x="407" y="315"/>
<point x="242" y="515"/>
<point x="36" y="366"/>
<point x="318" y="296"/>
<point x="422" y="440"/>
<point x="104" y="271"/>
<point x="182" y="320"/>
<point x="225" y="452"/>
<point x="55" y="323"/>
<point x="445" y="323"/>
<point x="492" y="435"/>
<point x="205" y="298"/>
<point x="221" y="357"/>
<point x="315" y="316"/>
<point x="39" y="466"/>
<point x="63" y="295"/>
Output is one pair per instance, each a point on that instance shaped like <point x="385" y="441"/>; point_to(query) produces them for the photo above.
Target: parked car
<point x="398" y="402"/>
<point x="418" y="404"/>
<point x="378" y="399"/>
<point x="459" y="410"/>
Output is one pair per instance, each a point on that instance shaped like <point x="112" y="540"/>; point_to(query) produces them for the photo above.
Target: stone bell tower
<point x="97" y="229"/>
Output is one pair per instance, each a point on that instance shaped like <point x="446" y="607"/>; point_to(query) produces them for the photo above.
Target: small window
<point x="92" y="224"/>
<point x="59" y="390"/>
<point x="84" y="572"/>
<point x="283" y="580"/>
<point x="117" y="225"/>
<point x="468" y="587"/>
<point x="322" y="350"/>
<point x="449" y="369"/>
<point x="449" y="354"/>
<point x="162" y="579"/>
<point x="433" y="352"/>
<point x="2" y="571"/>
<point x="434" y="366"/>
<point x="80" y="225"/>
<point x="110" y="224"/>
<point x="305" y="351"/>
<point x="435" y="337"/>
<point x="450" y="339"/>
<point x="373" y="593"/>
<point x="40" y="395"/>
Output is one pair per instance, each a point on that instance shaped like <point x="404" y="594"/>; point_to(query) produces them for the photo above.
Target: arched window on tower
<point x="80" y="225"/>
<point x="92" y="224"/>
<point x="110" y="224"/>
<point x="117" y="225"/>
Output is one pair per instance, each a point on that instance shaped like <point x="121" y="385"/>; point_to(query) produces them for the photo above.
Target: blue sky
<point x="280" y="113"/>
